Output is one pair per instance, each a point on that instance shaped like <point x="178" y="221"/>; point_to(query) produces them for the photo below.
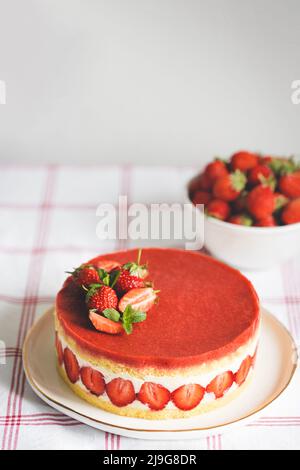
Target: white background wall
<point x="148" y="81"/>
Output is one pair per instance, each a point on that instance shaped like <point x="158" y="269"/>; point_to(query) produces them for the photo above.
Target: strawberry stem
<point x="139" y="256"/>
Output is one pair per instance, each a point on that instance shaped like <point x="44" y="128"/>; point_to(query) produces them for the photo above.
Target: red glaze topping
<point x="205" y="311"/>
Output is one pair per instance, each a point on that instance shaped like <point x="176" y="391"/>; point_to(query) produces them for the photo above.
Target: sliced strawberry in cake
<point x="243" y="371"/>
<point x="71" y="365"/>
<point x="121" y="392"/>
<point x="93" y="380"/>
<point x="220" y="384"/>
<point x="105" y="324"/>
<point x="154" y="395"/>
<point x="188" y="396"/>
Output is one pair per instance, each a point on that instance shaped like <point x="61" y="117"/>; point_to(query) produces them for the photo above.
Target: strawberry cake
<point x="171" y="338"/>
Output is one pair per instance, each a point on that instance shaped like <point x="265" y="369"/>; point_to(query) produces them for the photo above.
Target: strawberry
<point x="241" y="219"/>
<point x="154" y="395"/>
<point x="291" y="212"/>
<point x="204" y="182"/>
<point x="131" y="276"/>
<point x="266" y="159"/>
<point x="187" y="397"/>
<point x="199" y="183"/>
<point x="127" y="281"/>
<point x="141" y="299"/>
<point x="283" y="166"/>
<point x="59" y="350"/>
<point x="268" y="221"/>
<point x="93" y="380"/>
<point x="215" y="170"/>
<point x="120" y="392"/>
<point x="229" y="187"/>
<point x="259" y="174"/>
<point x="243" y="371"/>
<point x="107" y="265"/>
<point x="220" y="384"/>
<point x="71" y="365"/>
<point x="289" y="184"/>
<point x="244" y="161"/>
<point x="105" y="324"/>
<point x="85" y="275"/>
<point x="261" y="202"/>
<point x="218" y="209"/>
<point x="240" y="204"/>
<point x="201" y="197"/>
<point x="100" y="297"/>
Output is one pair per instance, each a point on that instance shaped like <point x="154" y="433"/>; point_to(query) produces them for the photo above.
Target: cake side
<point x="234" y="369"/>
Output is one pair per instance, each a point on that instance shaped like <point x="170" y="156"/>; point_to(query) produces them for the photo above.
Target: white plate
<point x="275" y="367"/>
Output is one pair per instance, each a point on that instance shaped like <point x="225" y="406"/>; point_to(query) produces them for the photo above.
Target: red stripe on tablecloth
<point x="61" y="206"/>
<point x="43" y="234"/>
<point x="208" y="443"/>
<point x="58" y="423"/>
<point x="274" y="425"/>
<point x="26" y="300"/>
<point x="10" y="352"/>
<point x="34" y="420"/>
<point x="35" y="415"/>
<point x="32" y="282"/>
<point x="15" y="393"/>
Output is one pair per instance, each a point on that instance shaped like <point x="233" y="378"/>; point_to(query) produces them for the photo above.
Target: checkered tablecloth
<point x="47" y="226"/>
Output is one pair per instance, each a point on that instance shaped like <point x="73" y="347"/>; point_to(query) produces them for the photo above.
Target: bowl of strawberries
<point x="252" y="208"/>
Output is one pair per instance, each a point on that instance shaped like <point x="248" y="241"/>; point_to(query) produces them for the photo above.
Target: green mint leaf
<point x="127" y="319"/>
<point x="139" y="317"/>
<point x="111" y="314"/>
<point x="127" y="327"/>
<point x="130" y="316"/>
<point x="128" y="313"/>
<point x="114" y="276"/>
<point x="104" y="276"/>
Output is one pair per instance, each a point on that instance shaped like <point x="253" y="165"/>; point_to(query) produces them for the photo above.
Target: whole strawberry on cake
<point x="169" y="338"/>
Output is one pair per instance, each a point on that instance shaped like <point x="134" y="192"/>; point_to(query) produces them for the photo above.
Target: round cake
<point x="193" y="351"/>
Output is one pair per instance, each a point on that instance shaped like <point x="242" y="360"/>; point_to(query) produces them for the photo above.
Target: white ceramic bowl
<point x="250" y="248"/>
